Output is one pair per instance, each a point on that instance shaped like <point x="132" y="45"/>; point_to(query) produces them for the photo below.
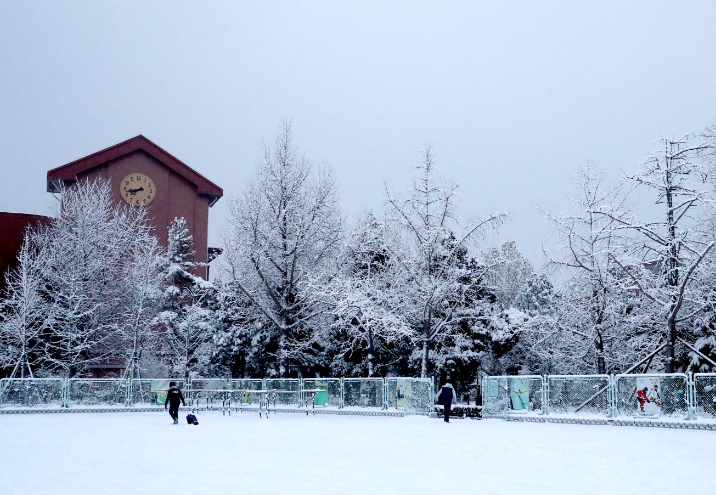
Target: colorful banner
<point x="648" y="396"/>
<point x="519" y="394"/>
<point x="403" y="392"/>
<point x="159" y="391"/>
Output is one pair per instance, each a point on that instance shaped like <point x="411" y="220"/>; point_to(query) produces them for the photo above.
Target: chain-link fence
<point x="330" y="394"/>
<point x="579" y="394"/>
<point x="674" y="395"/>
<point x="412" y="395"/>
<point x="364" y="392"/>
<point x="152" y="392"/>
<point x="97" y="392"/>
<point x="32" y="392"/>
<point x="208" y="392"/>
<point x="495" y="396"/>
<point x="292" y="385"/>
<point x="705" y="395"/>
<point x="245" y="385"/>
<point x="652" y="395"/>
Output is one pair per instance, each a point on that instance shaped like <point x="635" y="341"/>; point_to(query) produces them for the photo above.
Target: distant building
<point x="12" y="232"/>
<point x="140" y="173"/>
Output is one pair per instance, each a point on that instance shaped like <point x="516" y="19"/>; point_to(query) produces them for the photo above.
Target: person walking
<point x="174" y="396"/>
<point x="446" y="396"/>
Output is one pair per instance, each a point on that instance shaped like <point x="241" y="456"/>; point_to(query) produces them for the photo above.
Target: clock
<point x="138" y="189"/>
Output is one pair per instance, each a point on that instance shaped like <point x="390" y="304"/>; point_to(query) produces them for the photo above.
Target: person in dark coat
<point x="174" y="396"/>
<point x="446" y="397"/>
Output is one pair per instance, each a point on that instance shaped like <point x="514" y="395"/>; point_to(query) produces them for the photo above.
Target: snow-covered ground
<point x="142" y="453"/>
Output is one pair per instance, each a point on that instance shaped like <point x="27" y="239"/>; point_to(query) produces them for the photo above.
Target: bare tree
<point x="663" y="263"/>
<point x="86" y="255"/>
<point x="24" y="310"/>
<point x="509" y="273"/>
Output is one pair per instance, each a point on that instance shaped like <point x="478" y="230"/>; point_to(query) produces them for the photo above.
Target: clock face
<point x="138" y="189"/>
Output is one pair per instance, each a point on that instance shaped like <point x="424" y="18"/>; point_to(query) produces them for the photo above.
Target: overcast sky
<point x="513" y="96"/>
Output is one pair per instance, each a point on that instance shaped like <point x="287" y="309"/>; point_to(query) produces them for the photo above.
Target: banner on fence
<point x="403" y="393"/>
<point x="519" y="394"/>
<point x="648" y="396"/>
<point x="159" y="391"/>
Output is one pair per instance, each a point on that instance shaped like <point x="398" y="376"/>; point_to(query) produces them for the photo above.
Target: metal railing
<point x="675" y="395"/>
<point x="410" y="395"/>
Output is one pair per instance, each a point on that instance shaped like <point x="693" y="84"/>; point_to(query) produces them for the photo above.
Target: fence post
<point x="65" y="392"/>
<point x="545" y="395"/>
<point x="612" y="397"/>
<point x="385" y="394"/>
<point x="340" y="400"/>
<point x="690" y="396"/>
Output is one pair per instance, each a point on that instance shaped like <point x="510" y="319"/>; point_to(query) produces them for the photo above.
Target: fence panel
<point x="652" y="395"/>
<point x="495" y="396"/>
<point x="203" y="391"/>
<point x="414" y="395"/>
<point x="152" y="392"/>
<point x="291" y="384"/>
<point x="245" y="384"/>
<point x="705" y="387"/>
<point x="364" y="392"/>
<point x="32" y="392"/>
<point x="332" y="395"/>
<point x="579" y="394"/>
<point x="97" y="392"/>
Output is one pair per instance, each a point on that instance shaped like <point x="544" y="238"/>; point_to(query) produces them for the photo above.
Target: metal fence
<point x="410" y="395"/>
<point x="33" y="392"/>
<point x="96" y="392"/>
<point x="580" y="394"/>
<point x="151" y="392"/>
<point x="414" y="395"/>
<point x="364" y="392"/>
<point x="675" y="395"/>
<point x="705" y="395"/>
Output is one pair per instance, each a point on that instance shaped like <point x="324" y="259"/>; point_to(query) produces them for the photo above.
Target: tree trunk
<point x="371" y="354"/>
<point x="601" y="364"/>
<point x="670" y="346"/>
<point x="424" y="365"/>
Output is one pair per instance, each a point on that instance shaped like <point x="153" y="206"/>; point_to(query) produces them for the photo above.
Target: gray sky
<point x="512" y="95"/>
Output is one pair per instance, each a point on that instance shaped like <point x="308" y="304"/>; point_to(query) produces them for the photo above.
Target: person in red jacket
<point x="642" y="397"/>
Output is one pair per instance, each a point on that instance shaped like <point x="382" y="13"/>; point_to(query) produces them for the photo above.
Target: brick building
<point x="140" y="173"/>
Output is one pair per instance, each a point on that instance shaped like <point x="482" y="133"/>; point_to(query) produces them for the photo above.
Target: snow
<point x="142" y="453"/>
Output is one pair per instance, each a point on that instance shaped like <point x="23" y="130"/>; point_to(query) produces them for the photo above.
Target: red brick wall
<point x="12" y="233"/>
<point x="175" y="197"/>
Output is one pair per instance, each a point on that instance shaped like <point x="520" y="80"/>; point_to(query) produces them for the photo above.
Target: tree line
<point x="409" y="290"/>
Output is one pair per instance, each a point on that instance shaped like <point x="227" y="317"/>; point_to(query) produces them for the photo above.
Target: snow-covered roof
<point x="70" y="171"/>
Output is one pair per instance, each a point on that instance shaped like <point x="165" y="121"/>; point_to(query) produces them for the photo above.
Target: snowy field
<point x="142" y="453"/>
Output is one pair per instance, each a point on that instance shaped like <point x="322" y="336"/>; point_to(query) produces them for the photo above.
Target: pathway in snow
<point x="142" y="453"/>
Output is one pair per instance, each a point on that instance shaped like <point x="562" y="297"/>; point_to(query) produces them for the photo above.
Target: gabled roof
<point x="70" y="171"/>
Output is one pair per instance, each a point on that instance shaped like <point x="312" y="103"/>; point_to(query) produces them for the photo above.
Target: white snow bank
<point x="142" y="453"/>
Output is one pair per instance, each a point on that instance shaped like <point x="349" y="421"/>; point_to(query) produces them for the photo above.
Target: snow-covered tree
<point x="87" y="255"/>
<point x="364" y="299"/>
<point x="663" y="264"/>
<point x="189" y="310"/>
<point x="24" y="314"/>
<point x="593" y="321"/>
<point x="429" y="268"/>
<point x="509" y="273"/>
<point x="282" y="240"/>
<point x="144" y="290"/>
